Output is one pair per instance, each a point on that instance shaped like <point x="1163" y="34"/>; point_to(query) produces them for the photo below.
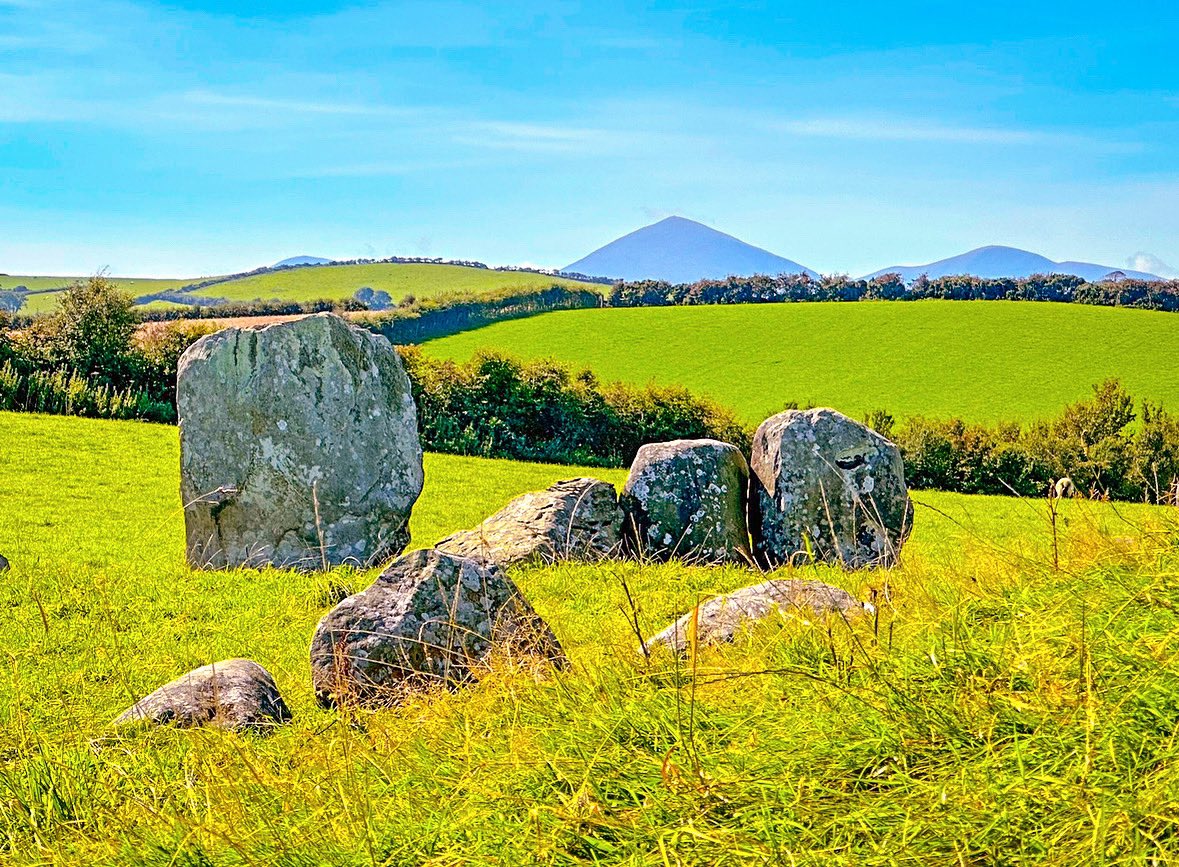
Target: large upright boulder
<point x="825" y="485"/>
<point x="298" y="446"/>
<point x="428" y="620"/>
<point x="233" y="694"/>
<point x="686" y="499"/>
<point x="576" y="519"/>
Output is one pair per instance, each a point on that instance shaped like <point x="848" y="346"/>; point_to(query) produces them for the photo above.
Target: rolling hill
<point x="681" y="251"/>
<point x="982" y="361"/>
<point x="996" y="261"/>
<point x="337" y="282"/>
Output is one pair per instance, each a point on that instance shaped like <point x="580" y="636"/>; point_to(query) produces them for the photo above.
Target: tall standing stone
<point x="686" y="499"/>
<point x="298" y="446"/>
<point x="825" y="485"/>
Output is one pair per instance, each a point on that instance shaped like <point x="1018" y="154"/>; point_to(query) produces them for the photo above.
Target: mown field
<point x="1015" y="700"/>
<point x="982" y="361"/>
<point x="337" y="282"/>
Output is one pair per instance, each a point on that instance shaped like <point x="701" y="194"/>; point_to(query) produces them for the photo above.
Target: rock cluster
<point x="298" y="446"/>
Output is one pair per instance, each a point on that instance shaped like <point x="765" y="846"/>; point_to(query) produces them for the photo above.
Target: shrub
<point x="498" y="406"/>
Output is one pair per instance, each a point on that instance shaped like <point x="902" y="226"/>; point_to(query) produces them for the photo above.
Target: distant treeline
<point x="1144" y="294"/>
<point x="92" y="358"/>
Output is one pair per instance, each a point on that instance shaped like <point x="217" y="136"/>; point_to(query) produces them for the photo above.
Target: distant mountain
<point x="681" y="251"/>
<point x="301" y="260"/>
<point x="1005" y="262"/>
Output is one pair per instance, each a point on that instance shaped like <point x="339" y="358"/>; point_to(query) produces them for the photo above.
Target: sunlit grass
<point x="1015" y="701"/>
<point x="978" y="360"/>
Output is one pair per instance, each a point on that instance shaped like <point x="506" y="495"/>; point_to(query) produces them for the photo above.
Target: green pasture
<point x="337" y="282"/>
<point x="1014" y="701"/>
<point x="981" y="361"/>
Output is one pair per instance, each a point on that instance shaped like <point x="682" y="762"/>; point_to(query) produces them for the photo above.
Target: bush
<point x="496" y="406"/>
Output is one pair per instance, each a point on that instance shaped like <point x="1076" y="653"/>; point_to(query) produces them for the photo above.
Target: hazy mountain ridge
<point x="997" y="261"/>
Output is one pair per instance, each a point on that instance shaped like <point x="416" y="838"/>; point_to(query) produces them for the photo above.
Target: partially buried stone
<point x="3" y="563"/>
<point x="718" y="619"/>
<point x="576" y="519"/>
<point x="430" y="619"/>
<point x="298" y="446"/>
<point x="686" y="499"/>
<point x="232" y="694"/>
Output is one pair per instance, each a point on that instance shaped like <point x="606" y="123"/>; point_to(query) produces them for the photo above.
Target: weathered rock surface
<point x="825" y="484"/>
<point x="687" y="499"/>
<point x="718" y="619"/>
<point x="576" y="519"/>
<point x="232" y="694"/>
<point x="429" y="619"/>
<point x="277" y="419"/>
<point x="3" y="563"/>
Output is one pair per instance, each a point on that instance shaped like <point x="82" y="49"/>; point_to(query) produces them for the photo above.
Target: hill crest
<point x="996" y="261"/>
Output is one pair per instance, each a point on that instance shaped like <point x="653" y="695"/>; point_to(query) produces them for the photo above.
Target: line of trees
<point x="762" y="289"/>
<point x="92" y="358"/>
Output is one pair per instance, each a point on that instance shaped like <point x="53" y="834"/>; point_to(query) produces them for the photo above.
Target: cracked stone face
<point x="428" y="620"/>
<point x="825" y="485"/>
<point x="298" y="446"/>
<point x="686" y="499"/>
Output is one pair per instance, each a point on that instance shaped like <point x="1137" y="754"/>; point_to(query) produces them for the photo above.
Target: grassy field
<point x="1000" y="710"/>
<point x="336" y="282"/>
<point x="45" y="302"/>
<point x="983" y="361"/>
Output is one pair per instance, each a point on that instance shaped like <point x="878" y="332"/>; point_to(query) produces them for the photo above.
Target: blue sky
<point x="190" y="139"/>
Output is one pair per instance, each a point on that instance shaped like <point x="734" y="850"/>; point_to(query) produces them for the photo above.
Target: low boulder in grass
<point x="429" y="620"/>
<point x="575" y="519"/>
<point x="719" y="619"/>
<point x="827" y="487"/>
<point x="686" y="499"/>
<point x="232" y="694"/>
<point x="3" y="563"/>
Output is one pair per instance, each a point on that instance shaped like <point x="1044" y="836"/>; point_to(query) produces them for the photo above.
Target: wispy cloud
<point x="294" y="106"/>
<point x="899" y="129"/>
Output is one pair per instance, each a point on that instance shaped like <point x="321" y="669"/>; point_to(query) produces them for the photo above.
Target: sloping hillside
<point x="983" y="361"/>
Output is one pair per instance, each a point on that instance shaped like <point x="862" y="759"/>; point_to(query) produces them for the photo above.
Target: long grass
<point x="978" y="360"/>
<point x="1014" y="701"/>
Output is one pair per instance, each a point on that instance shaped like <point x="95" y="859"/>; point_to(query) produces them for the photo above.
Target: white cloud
<point x="1151" y="264"/>
<point x="878" y="128"/>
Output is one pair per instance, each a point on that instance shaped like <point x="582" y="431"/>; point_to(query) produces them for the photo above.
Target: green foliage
<point x="762" y="288"/>
<point x="91" y="332"/>
<point x="498" y="406"/>
<point x="997" y="710"/>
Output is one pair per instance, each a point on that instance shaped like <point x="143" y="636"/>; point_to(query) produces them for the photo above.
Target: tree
<point x="92" y="330"/>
